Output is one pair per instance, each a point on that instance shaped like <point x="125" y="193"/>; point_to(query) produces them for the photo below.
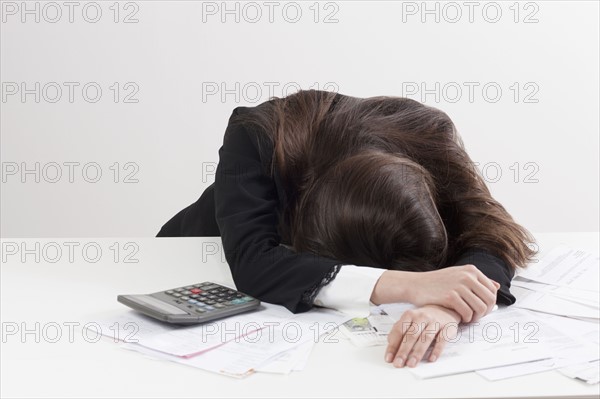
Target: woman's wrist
<point x="393" y="286"/>
<point x="451" y="312"/>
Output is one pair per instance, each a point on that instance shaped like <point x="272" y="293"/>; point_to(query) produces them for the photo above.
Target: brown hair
<point x="381" y="181"/>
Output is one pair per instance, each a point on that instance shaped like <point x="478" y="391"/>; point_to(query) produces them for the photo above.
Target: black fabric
<point x="242" y="206"/>
<point x="197" y="220"/>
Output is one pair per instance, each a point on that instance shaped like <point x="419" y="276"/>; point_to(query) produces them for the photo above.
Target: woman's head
<point x="380" y="181"/>
<point x="372" y="208"/>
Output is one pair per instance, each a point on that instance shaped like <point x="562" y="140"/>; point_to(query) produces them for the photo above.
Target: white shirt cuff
<point x="350" y="291"/>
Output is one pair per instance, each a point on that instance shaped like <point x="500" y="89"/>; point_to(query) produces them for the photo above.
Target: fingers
<point x="403" y="328"/>
<point x="408" y="342"/>
<point x="410" y="338"/>
<point x="472" y="275"/>
<point x="487" y="297"/>
<point x="498" y="285"/>
<point x="458" y="304"/>
<point x="446" y="333"/>
<point x="485" y="281"/>
<point x="394" y="338"/>
<point x="429" y="333"/>
<point x="478" y="306"/>
<point x="483" y="287"/>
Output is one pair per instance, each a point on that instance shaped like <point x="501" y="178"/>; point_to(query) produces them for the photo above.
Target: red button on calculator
<point x="196" y="290"/>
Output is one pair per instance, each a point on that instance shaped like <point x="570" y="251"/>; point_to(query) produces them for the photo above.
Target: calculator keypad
<point x="207" y="297"/>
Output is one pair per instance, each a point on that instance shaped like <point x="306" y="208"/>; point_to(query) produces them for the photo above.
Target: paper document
<point x="187" y="341"/>
<point x="565" y="282"/>
<point x="565" y="266"/>
<point x="589" y="298"/>
<point x="506" y="336"/>
<point x="280" y="346"/>
<point x="548" y="303"/>
<point x="588" y="372"/>
<point x="572" y="342"/>
<point x="583" y="297"/>
<point x="294" y="359"/>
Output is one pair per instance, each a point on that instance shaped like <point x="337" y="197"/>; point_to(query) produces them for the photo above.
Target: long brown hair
<point x="381" y="181"/>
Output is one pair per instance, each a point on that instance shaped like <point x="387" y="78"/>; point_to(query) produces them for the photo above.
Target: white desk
<point x="78" y="291"/>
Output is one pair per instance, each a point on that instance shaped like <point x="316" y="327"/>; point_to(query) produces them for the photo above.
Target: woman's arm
<point x="356" y="287"/>
<point x="246" y="203"/>
<point x="464" y="289"/>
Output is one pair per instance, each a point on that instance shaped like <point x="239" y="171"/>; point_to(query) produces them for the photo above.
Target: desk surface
<point x="75" y="280"/>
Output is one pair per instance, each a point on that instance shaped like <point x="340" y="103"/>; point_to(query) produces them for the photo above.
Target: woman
<point x="331" y="200"/>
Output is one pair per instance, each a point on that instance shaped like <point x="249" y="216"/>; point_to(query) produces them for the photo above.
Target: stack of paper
<point x="561" y="295"/>
<point x="572" y="342"/>
<point x="588" y="372"/>
<point x="271" y="339"/>
<point x="563" y="289"/>
<point x="565" y="282"/>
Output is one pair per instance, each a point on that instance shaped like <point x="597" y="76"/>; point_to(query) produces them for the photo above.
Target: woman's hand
<point x="464" y="289"/>
<point x="412" y="335"/>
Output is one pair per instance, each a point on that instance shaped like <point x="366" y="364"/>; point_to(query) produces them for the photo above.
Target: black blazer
<point x="243" y="207"/>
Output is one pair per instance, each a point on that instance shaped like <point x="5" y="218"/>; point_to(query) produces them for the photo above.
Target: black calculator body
<point x="192" y="304"/>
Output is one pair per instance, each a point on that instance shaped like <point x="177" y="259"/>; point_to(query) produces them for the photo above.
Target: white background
<point x="544" y="143"/>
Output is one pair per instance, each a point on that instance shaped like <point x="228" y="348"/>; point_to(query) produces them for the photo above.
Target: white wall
<point x="176" y="51"/>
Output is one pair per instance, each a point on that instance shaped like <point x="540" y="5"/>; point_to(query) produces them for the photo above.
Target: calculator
<point x="192" y="304"/>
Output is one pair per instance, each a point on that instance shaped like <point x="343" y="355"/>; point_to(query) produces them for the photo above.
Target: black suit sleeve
<point x="246" y="202"/>
<point x="494" y="268"/>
